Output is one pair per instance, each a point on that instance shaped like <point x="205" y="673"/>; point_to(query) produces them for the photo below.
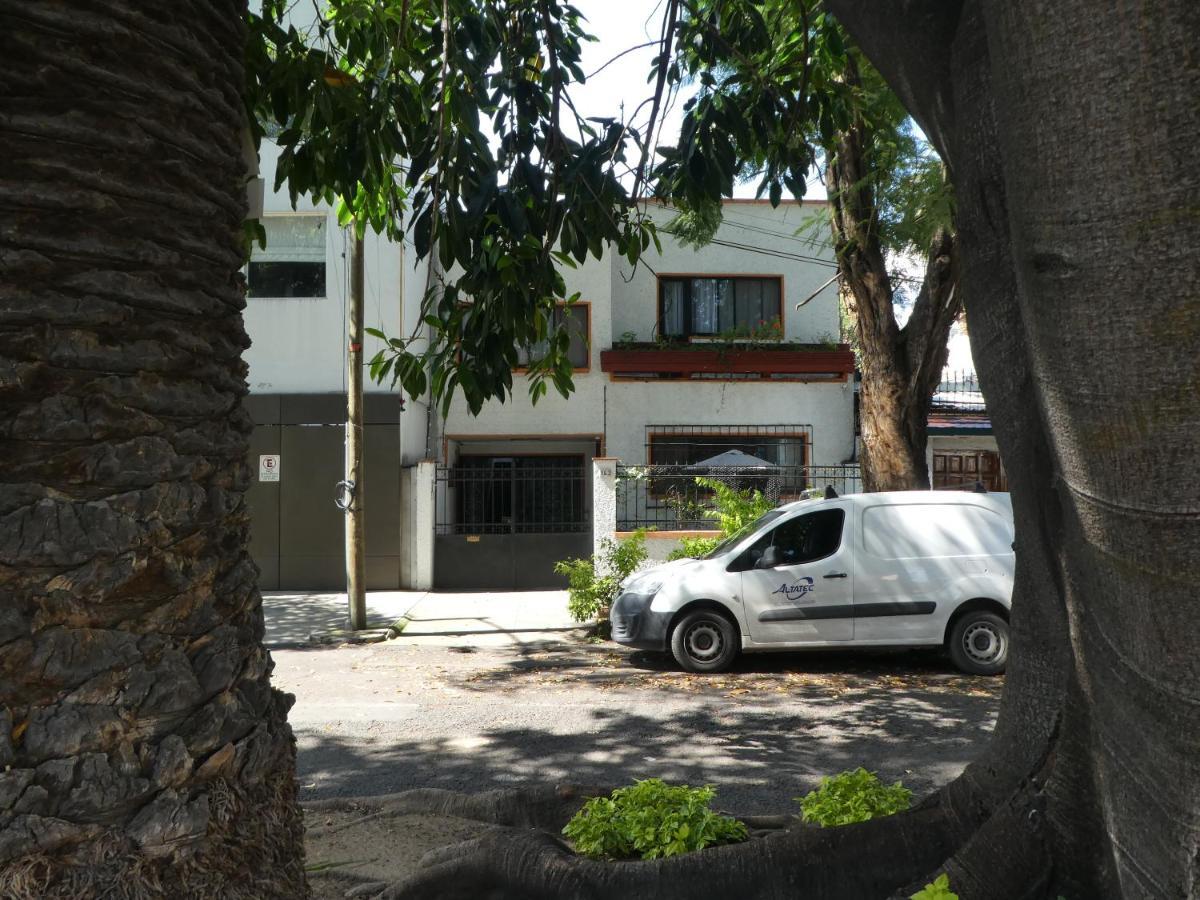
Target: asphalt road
<point x="384" y="718"/>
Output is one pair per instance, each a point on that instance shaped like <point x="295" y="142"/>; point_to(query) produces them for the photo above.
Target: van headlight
<point x="646" y="587"/>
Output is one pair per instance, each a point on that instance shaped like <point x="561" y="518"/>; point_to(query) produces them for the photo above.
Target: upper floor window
<point x="707" y="306"/>
<point x="293" y="264"/>
<point x="577" y="319"/>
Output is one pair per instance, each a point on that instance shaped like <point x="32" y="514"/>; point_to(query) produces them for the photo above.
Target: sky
<point x="619" y="25"/>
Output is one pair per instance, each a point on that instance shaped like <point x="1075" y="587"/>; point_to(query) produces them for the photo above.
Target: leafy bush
<point x="939" y="889"/>
<point x="589" y="595"/>
<point x="853" y="797"/>
<point x="693" y="548"/>
<point x="651" y="819"/>
<point x="731" y="508"/>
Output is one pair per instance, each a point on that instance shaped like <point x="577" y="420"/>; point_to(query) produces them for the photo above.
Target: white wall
<point x="582" y="412"/>
<point x="756" y="225"/>
<point x="299" y="343"/>
<point x="621" y="410"/>
<point x="633" y="405"/>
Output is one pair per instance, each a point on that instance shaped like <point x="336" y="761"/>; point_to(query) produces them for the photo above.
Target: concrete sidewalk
<point x="461" y="619"/>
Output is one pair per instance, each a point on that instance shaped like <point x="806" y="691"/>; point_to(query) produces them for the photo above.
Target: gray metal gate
<point x="502" y="522"/>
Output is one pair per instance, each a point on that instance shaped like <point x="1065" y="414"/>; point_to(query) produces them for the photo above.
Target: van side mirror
<point x="769" y="559"/>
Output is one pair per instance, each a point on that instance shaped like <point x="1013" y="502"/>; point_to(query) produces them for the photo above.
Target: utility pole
<point x="355" y="543"/>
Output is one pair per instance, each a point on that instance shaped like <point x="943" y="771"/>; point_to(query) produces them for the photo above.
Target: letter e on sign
<point x="268" y="468"/>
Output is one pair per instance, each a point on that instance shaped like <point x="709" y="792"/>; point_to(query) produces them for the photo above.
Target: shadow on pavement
<point x="762" y="737"/>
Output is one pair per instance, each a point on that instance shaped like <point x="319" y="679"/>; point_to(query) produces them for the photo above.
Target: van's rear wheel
<point x="705" y="641"/>
<point x="979" y="643"/>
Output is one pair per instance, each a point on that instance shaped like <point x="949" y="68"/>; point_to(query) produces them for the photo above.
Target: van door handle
<point x="837" y="575"/>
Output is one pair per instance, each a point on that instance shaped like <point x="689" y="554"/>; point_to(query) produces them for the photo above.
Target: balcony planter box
<point x="733" y="359"/>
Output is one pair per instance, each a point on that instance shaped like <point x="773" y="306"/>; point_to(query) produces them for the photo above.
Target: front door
<point x="797" y="586"/>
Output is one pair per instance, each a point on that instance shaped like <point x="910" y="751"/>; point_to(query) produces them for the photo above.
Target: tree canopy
<point x="453" y="119"/>
<point x="453" y="122"/>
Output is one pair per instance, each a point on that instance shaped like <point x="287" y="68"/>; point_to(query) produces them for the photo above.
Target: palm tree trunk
<point x="144" y="750"/>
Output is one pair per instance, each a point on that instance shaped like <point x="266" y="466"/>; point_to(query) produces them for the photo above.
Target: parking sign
<point x="268" y="467"/>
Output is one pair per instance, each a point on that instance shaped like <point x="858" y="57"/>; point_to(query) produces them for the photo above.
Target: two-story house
<point x="693" y="353"/>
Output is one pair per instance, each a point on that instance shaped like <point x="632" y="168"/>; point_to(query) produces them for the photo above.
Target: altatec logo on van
<point x="795" y="591"/>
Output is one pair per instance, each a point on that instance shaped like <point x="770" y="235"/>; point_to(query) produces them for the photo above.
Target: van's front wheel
<point x="979" y="643"/>
<point x="704" y="641"/>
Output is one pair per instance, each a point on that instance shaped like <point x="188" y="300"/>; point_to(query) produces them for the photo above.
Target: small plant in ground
<point x="938" y="889"/>
<point x="592" y="583"/>
<point x="651" y="819"/>
<point x="853" y="797"/>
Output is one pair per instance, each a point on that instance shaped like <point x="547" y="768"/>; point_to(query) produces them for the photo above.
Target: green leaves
<point x="651" y="819"/>
<point x="592" y="584"/>
<point x="449" y="131"/>
<point x="734" y="509"/>
<point x="780" y="86"/>
<point x="693" y="548"/>
<point x="853" y="797"/>
<point x="938" y="889"/>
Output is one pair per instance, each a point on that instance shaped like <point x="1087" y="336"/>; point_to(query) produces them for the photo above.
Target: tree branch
<point x="938" y="304"/>
<point x="668" y="36"/>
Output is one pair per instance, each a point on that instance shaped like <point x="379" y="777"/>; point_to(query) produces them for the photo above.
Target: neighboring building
<point x="961" y="450"/>
<point x="296" y="318"/>
<point x="512" y="487"/>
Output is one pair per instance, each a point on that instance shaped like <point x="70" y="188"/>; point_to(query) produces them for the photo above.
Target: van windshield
<point x="765" y="519"/>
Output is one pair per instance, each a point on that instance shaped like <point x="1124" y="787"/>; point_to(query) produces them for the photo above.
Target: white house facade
<point x="729" y="348"/>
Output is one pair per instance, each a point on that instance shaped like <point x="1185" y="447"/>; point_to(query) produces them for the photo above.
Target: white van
<point x="893" y="569"/>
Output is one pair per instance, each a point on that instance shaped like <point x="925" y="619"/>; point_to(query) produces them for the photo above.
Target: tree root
<point x="869" y="860"/>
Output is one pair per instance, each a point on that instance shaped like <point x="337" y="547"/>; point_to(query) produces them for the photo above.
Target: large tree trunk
<point x="900" y="367"/>
<point x="144" y="751"/>
<point x="1073" y="143"/>
<point x="1085" y="334"/>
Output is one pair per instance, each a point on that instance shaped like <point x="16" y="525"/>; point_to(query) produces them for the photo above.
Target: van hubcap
<point x="983" y="643"/>
<point x="703" y="641"/>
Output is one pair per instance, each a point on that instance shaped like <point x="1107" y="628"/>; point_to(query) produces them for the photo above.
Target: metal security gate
<point x="502" y="522"/>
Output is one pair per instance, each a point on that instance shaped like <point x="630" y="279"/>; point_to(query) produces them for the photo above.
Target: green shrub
<point x="939" y="889"/>
<point x="693" y="548"/>
<point x="589" y="595"/>
<point x="651" y="819"/>
<point x="731" y="509"/>
<point x="853" y="797"/>
<point x="734" y="509"/>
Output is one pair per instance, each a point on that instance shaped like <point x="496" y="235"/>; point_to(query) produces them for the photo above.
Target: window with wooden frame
<point x="686" y="451"/>
<point x="711" y="305"/>
<point x="577" y="318"/>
